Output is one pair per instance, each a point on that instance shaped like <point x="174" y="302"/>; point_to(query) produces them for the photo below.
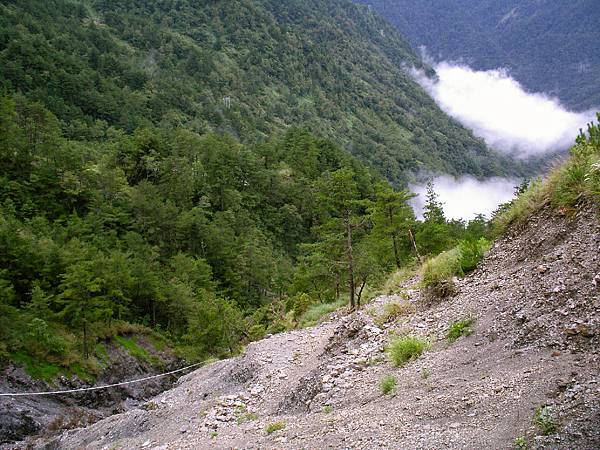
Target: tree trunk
<point x="350" y="262"/>
<point x="362" y="286"/>
<point x="394" y="238"/>
<point x="412" y="238"/>
<point x="396" y="255"/>
<point x="86" y="353"/>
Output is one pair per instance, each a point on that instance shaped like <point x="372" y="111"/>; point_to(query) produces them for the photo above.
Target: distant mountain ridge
<point x="548" y="45"/>
<point x="245" y="67"/>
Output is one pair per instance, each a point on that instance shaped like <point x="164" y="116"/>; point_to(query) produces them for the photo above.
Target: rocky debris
<point x="536" y="309"/>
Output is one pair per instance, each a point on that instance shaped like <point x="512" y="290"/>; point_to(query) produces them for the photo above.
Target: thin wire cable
<point x="96" y="388"/>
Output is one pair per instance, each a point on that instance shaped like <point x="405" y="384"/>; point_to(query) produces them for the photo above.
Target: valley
<point x="287" y="224"/>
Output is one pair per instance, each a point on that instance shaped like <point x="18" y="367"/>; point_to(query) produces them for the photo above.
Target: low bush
<point x="394" y="310"/>
<point x="437" y="273"/>
<point x="471" y="253"/>
<point x="136" y="350"/>
<point x="405" y="349"/>
<point x="387" y="385"/>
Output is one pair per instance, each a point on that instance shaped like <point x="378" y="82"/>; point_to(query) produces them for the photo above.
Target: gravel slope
<point x="536" y="342"/>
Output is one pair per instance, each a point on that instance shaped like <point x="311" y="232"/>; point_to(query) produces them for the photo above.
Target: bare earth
<point x="536" y="342"/>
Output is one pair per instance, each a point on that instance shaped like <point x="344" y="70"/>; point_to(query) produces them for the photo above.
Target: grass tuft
<point x="314" y="313"/>
<point x="273" y="427"/>
<point x="544" y="420"/>
<point x="396" y="281"/>
<point x="387" y="385"/>
<point x="460" y="328"/>
<point x="405" y="349"/>
<point x="437" y="273"/>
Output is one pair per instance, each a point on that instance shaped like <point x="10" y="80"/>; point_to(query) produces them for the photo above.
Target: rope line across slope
<point x="96" y="388"/>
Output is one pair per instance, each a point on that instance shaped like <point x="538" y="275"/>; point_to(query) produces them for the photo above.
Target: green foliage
<point x="398" y="278"/>
<point x="36" y="368"/>
<point x="544" y="420"/>
<point x="460" y="328"/>
<point x="136" y="350"/>
<point x="575" y="181"/>
<point x="437" y="273"/>
<point x="471" y="253"/>
<point x="387" y="385"/>
<point x="404" y="349"/>
<point x="327" y="409"/>
<point x="529" y="201"/>
<point x="273" y="427"/>
<point x="101" y="353"/>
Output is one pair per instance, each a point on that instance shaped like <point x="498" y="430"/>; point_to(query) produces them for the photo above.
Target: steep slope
<point x="536" y="304"/>
<point x="546" y="44"/>
<point x="247" y="67"/>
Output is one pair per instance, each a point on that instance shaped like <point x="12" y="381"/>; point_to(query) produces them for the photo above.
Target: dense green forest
<point x="249" y="68"/>
<point x="527" y="37"/>
<point x="208" y="242"/>
<point x="207" y="172"/>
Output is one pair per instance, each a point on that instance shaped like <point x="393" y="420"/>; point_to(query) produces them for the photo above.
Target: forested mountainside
<point x="245" y="67"/>
<point x="199" y="238"/>
<point x="548" y="45"/>
<point x="507" y="360"/>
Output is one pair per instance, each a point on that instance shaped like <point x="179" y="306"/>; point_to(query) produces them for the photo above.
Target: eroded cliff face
<point x="26" y="417"/>
<point x="535" y="301"/>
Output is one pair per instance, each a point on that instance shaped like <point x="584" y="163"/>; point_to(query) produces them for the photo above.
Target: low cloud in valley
<point x="466" y="197"/>
<point x="499" y="110"/>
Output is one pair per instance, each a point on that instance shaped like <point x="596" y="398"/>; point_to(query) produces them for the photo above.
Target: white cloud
<point x="466" y="197"/>
<point x="499" y="110"/>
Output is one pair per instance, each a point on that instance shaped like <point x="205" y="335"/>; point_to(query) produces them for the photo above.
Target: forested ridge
<point x="245" y="67"/>
<point x="529" y="38"/>
<point x="181" y="169"/>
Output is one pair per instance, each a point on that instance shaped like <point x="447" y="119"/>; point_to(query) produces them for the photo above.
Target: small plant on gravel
<point x="248" y="417"/>
<point x="327" y="409"/>
<point x="273" y="427"/>
<point x="521" y="443"/>
<point x="544" y="421"/>
<point x="405" y="349"/>
<point x="393" y="310"/>
<point x="425" y="373"/>
<point x="213" y="435"/>
<point x="387" y="385"/>
<point x="460" y="328"/>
